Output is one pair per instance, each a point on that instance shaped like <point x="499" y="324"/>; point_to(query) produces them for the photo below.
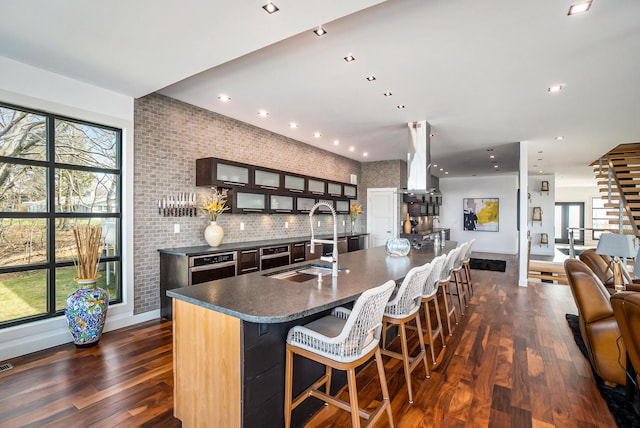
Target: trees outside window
<point x="55" y="173"/>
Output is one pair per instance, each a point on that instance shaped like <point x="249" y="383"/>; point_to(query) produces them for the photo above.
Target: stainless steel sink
<point x="303" y="273"/>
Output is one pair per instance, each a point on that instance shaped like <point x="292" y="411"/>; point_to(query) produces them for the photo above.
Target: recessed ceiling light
<point x="317" y="134"/>
<point x="320" y="31"/>
<point x="400" y="106"/>
<point x="559" y="137"/>
<point x="263" y="113"/>
<point x="365" y="154"/>
<point x="349" y="58"/>
<point x="293" y="125"/>
<point x="540" y="171"/>
<point x="224" y="98"/>
<point x="441" y="169"/>
<point x="270" y="8"/>
<point x="555" y="88"/>
<point x="371" y="78"/>
<point x="579" y="7"/>
<point x="446" y="172"/>
<point x="387" y="94"/>
<point x="435" y="165"/>
<point x="495" y="166"/>
<point x="351" y="148"/>
<point x="492" y="157"/>
<point x="336" y="142"/>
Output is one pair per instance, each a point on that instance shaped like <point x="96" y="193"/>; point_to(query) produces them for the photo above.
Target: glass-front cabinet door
<point x="232" y="174"/>
<point x="334" y="189"/>
<point x="324" y="208"/>
<point x="304" y="205"/>
<point x="350" y="191"/>
<point x="342" y="207"/>
<point x="219" y="172"/>
<point x="280" y="204"/>
<point x="245" y="202"/>
<point x="315" y="187"/>
<point x="294" y="183"/>
<point x="263" y="179"/>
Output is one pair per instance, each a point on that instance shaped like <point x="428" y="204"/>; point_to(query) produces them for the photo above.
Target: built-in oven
<point x="276" y="256"/>
<point x="211" y="267"/>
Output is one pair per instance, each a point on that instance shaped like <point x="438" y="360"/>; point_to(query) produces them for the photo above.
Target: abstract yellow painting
<point x="481" y="214"/>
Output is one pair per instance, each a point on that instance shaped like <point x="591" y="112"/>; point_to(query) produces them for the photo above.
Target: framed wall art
<point x="481" y="214"/>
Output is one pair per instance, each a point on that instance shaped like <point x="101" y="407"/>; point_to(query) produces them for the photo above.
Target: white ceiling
<point x="478" y="72"/>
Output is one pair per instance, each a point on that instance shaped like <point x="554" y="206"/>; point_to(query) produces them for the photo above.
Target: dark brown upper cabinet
<point x="280" y="204"/>
<point x="350" y="191"/>
<point x="293" y="183"/>
<point x="304" y="204"/>
<point x="264" y="178"/>
<point x="243" y="202"/>
<point x="334" y="189"/>
<point x="222" y="173"/>
<point x="342" y="206"/>
<point x="315" y="186"/>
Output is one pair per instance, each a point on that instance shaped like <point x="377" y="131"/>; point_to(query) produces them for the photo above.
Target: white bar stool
<point x="403" y="308"/>
<point x="444" y="282"/>
<point x="430" y="294"/>
<point x="343" y="340"/>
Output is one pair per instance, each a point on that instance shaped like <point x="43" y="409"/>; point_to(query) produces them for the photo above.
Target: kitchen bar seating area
<point x="500" y="368"/>
<point x="255" y="363"/>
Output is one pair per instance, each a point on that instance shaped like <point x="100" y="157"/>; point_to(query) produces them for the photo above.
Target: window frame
<point x="50" y="216"/>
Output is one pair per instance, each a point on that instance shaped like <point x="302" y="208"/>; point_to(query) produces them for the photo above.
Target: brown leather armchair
<point x="598" y="326"/>
<point x="626" y="307"/>
<point x="601" y="266"/>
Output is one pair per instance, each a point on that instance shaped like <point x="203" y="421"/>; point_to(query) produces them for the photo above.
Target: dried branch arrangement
<point x="88" y="247"/>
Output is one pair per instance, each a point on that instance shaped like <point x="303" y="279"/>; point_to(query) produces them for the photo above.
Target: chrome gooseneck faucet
<point x="334" y="258"/>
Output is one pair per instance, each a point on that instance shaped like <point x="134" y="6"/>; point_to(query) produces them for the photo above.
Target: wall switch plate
<point x="344" y="222"/>
<point x="176" y="228"/>
<point x="318" y="223"/>
<point x="241" y="226"/>
<point x="286" y="225"/>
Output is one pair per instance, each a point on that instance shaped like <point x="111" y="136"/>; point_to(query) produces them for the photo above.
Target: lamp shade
<point x="616" y="244"/>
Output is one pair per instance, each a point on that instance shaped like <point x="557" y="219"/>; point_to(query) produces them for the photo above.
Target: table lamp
<point x="617" y="245"/>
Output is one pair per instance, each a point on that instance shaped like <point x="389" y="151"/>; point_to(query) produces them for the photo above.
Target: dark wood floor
<point x="511" y="362"/>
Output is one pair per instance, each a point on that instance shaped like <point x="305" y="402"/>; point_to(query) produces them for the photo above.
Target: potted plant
<point x="86" y="308"/>
<point x="214" y="204"/>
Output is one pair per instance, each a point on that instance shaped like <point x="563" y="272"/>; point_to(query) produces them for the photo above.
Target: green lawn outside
<point x="24" y="293"/>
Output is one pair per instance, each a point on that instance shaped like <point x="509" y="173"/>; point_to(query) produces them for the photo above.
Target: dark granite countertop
<point x="199" y="250"/>
<point x="258" y="298"/>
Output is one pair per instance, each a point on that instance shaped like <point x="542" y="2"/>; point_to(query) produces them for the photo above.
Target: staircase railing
<point x="624" y="204"/>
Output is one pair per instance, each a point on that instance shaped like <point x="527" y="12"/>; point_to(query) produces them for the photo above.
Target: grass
<point x="25" y="293"/>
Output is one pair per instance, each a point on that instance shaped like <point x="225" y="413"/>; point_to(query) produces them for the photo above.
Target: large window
<point x="55" y="173"/>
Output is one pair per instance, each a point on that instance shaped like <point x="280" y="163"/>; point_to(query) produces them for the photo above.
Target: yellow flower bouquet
<point x="354" y="210"/>
<point x="214" y="203"/>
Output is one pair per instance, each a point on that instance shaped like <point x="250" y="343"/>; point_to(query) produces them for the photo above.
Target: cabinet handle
<point x="233" y="183"/>
<point x="249" y="251"/>
<point x="253" y="210"/>
<point x="268" y="187"/>
<point x="295" y="190"/>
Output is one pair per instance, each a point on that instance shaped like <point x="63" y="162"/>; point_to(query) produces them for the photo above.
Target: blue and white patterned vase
<point x="86" y="311"/>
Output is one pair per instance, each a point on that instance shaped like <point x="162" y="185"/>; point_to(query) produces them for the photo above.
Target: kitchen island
<point x="229" y="337"/>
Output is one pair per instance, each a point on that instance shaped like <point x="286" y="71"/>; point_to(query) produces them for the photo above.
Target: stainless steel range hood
<point x="419" y="178"/>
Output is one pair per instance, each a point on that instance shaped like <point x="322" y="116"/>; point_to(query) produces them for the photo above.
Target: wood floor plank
<point x="511" y="362"/>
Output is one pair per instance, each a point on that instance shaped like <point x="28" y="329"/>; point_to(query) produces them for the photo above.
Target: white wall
<point x="31" y="87"/>
<point x="504" y="187"/>
<point x="546" y="201"/>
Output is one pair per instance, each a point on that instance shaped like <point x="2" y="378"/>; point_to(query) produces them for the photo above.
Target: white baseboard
<point x="22" y="340"/>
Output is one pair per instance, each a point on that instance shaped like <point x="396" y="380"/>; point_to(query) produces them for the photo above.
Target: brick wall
<point x="169" y="136"/>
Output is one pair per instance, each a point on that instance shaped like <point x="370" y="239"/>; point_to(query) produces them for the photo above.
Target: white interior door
<point x="382" y="215"/>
